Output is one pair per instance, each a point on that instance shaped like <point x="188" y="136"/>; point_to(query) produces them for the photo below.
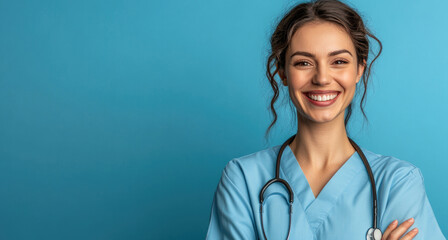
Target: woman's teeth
<point x="322" y="98"/>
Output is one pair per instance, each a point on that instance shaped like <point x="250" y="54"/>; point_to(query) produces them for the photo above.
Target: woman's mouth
<point x="322" y="98"/>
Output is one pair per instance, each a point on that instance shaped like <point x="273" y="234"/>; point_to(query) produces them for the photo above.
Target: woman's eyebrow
<point x="307" y="54"/>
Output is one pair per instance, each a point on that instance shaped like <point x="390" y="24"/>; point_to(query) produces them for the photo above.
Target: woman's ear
<point x="282" y="76"/>
<point x="361" y="68"/>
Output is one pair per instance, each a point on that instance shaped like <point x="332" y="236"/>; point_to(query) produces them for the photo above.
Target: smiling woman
<point x="320" y="52"/>
<point x="321" y="72"/>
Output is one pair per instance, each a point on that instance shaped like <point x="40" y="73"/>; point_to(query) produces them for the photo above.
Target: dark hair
<point x="321" y="10"/>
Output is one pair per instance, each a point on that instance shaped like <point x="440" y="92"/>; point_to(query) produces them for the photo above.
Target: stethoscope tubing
<point x="291" y="193"/>
<point x="372" y="181"/>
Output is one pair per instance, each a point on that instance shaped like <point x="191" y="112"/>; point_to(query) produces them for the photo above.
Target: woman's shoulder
<point x="391" y="169"/>
<point x="388" y="170"/>
<point x="252" y="165"/>
<point x="259" y="158"/>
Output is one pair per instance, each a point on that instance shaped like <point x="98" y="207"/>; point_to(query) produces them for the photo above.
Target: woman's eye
<point x="339" y="62"/>
<point x="302" y="63"/>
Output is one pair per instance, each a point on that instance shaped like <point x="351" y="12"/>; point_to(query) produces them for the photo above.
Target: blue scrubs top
<point x="342" y="210"/>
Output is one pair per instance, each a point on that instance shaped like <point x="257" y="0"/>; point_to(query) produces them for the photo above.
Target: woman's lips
<point x="321" y="94"/>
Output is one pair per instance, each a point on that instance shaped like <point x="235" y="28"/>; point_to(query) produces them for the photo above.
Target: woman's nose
<point x="321" y="77"/>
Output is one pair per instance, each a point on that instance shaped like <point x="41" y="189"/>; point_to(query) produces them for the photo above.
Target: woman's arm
<point x="407" y="199"/>
<point x="231" y="215"/>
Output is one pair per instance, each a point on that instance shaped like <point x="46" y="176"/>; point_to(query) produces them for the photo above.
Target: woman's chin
<point x="322" y="117"/>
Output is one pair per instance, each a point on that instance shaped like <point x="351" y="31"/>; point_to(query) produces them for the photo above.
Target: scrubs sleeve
<point x="407" y="198"/>
<point x="231" y="215"/>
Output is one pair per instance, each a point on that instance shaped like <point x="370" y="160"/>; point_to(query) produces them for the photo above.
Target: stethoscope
<point x="373" y="233"/>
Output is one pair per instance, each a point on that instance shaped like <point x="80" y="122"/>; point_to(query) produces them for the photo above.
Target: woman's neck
<point x="319" y="146"/>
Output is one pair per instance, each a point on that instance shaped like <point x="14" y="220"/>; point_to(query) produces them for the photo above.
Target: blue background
<point x="117" y="117"/>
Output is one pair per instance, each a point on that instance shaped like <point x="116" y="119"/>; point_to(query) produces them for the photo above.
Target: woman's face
<point x="321" y="71"/>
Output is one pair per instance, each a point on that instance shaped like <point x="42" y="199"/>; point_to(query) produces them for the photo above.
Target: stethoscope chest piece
<point x="374" y="234"/>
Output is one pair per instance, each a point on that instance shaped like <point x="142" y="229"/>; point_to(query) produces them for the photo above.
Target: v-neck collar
<point x="317" y="209"/>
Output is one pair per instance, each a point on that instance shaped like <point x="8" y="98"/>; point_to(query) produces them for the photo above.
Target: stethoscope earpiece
<point x="374" y="234"/>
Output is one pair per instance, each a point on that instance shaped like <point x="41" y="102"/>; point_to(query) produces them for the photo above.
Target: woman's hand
<point x="394" y="233"/>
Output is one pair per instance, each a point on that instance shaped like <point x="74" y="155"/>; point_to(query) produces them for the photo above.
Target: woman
<point x="320" y="52"/>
